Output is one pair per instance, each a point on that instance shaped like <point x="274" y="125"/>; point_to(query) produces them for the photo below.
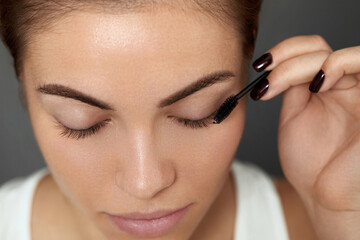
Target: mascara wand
<point x="231" y="102"/>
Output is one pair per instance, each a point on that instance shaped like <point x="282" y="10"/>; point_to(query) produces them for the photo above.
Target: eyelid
<point x="196" y="124"/>
<point x="80" y="133"/>
<point x="202" y="119"/>
<point x="83" y="133"/>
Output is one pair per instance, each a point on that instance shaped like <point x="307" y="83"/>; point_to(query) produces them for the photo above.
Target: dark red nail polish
<point x="317" y="82"/>
<point x="260" y="89"/>
<point x="262" y="62"/>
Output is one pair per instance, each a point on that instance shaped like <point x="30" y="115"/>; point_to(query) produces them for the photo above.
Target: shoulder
<point x="10" y="202"/>
<point x="297" y="220"/>
<point x="15" y="204"/>
<point x="10" y="190"/>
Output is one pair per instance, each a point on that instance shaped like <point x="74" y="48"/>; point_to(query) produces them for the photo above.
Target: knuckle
<point x="333" y="60"/>
<point x="282" y="69"/>
<point x="292" y="40"/>
<point x="323" y="55"/>
<point x="277" y="75"/>
<point x="320" y="41"/>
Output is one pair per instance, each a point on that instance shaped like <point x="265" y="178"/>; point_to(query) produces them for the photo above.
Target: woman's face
<point x="111" y="74"/>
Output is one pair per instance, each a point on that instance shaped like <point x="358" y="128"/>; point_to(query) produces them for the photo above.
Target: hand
<point x="319" y="133"/>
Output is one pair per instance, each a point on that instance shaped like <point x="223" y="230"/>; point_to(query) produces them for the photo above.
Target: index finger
<point x="290" y="48"/>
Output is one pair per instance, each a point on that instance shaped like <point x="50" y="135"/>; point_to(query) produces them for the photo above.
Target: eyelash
<point x="195" y="124"/>
<point x="83" y="133"/>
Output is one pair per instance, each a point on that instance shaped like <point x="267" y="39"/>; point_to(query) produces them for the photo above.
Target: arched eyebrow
<point x="67" y="92"/>
<point x="203" y="82"/>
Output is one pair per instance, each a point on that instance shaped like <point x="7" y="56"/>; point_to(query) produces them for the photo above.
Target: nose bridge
<point x="144" y="172"/>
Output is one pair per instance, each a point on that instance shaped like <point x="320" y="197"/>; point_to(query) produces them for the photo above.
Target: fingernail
<point x="316" y="83"/>
<point x="262" y="62"/>
<point x="260" y="89"/>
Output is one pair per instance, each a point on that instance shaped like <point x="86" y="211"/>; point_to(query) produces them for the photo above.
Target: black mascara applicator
<point x="231" y="102"/>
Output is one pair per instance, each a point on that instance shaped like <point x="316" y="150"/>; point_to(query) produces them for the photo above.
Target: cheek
<point x="76" y="168"/>
<point x="75" y="165"/>
<point x="204" y="159"/>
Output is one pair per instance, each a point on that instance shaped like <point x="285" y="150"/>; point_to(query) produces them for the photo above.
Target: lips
<point x="150" y="224"/>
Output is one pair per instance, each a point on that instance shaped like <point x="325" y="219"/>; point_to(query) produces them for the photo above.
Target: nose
<point x="143" y="173"/>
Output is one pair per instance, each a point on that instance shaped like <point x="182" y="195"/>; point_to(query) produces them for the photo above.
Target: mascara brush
<point x="231" y="102"/>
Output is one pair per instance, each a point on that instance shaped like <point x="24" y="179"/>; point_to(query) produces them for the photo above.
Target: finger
<point x="293" y="72"/>
<point x="294" y="100"/>
<point x="292" y="78"/>
<point x="346" y="82"/>
<point x="339" y="64"/>
<point x="290" y="48"/>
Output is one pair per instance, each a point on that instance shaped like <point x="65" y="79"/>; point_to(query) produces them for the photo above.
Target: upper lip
<point x="149" y="216"/>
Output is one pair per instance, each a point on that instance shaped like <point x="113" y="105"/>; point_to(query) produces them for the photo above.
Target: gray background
<point x="337" y="21"/>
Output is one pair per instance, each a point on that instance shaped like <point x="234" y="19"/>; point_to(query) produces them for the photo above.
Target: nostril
<point x="145" y="184"/>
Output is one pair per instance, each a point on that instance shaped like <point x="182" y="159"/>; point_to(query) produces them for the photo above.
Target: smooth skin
<point x="143" y="159"/>
<point x="132" y="163"/>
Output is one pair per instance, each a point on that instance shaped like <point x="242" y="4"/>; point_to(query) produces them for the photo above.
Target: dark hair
<point x="21" y="18"/>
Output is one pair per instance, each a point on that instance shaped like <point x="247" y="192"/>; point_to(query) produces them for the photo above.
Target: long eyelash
<point x="197" y="123"/>
<point x="82" y="133"/>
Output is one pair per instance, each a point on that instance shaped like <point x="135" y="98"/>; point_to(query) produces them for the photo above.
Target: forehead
<point x="141" y="50"/>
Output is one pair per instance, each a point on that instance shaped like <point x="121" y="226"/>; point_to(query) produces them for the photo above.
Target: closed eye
<point x="195" y="124"/>
<point x="84" y="133"/>
<point x="80" y="133"/>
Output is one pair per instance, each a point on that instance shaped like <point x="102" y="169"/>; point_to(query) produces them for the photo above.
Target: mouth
<point x="149" y="224"/>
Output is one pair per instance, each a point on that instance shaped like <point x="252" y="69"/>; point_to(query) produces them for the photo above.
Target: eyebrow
<point x="66" y="92"/>
<point x="203" y="82"/>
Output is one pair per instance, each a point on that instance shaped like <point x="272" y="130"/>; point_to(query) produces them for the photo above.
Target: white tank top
<point x="259" y="212"/>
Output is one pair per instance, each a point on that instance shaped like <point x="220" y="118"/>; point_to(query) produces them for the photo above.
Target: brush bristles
<point x="225" y="109"/>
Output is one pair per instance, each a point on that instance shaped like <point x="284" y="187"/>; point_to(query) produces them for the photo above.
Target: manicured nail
<point x="262" y="62"/>
<point x="259" y="89"/>
<point x="316" y="83"/>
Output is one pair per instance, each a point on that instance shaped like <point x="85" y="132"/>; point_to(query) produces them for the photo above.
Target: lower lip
<point x="151" y="227"/>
